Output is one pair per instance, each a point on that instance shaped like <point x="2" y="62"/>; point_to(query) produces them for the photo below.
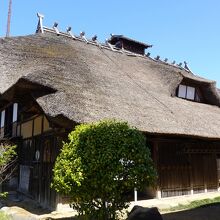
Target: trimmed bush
<point x="99" y="164"/>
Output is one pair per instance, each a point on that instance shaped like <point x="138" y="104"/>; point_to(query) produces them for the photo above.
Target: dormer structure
<point x="120" y="41"/>
<point x="197" y="89"/>
<point x="190" y="91"/>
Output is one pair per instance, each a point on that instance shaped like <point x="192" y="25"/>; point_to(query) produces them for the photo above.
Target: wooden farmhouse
<point x="52" y="81"/>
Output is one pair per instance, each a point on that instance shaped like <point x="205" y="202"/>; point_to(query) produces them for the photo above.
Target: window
<point x="182" y="91"/>
<point x="188" y="92"/>
<point x="15" y="112"/>
<point x="2" y="118"/>
<point x="8" y="119"/>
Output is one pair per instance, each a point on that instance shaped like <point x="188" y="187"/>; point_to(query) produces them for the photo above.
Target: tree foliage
<point x="99" y="164"/>
<point x="7" y="161"/>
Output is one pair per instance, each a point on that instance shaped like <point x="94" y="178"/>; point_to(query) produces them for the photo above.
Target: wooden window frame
<point x="197" y="95"/>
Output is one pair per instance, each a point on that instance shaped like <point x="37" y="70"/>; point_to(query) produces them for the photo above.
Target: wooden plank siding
<point x="173" y="169"/>
<point x="37" y="152"/>
<point x="204" y="171"/>
<point x="181" y="170"/>
<point x="40" y="176"/>
<point x="46" y="196"/>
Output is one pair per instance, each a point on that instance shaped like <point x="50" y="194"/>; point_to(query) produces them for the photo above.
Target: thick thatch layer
<point x="93" y="83"/>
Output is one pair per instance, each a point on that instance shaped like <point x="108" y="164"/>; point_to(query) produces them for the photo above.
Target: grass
<point x="194" y="204"/>
<point x="4" y="216"/>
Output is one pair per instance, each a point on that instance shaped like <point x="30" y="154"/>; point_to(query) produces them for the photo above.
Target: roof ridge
<point x="114" y="49"/>
<point x="106" y="45"/>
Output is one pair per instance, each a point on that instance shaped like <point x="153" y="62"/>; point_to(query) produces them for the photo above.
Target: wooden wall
<point x="133" y="47"/>
<point x="37" y="152"/>
<point x="37" y="177"/>
<point x="204" y="171"/>
<point x="173" y="169"/>
<point x="185" y="166"/>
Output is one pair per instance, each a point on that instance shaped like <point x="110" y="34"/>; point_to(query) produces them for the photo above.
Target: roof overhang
<point x="115" y="38"/>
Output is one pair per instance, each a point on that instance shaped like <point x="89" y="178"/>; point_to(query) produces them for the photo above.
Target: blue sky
<point x="179" y="30"/>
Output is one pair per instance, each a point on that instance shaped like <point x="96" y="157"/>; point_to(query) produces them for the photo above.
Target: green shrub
<point x="99" y="164"/>
<point x="7" y="162"/>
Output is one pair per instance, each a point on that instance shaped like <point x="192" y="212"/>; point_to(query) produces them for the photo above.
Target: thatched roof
<point x="93" y="83"/>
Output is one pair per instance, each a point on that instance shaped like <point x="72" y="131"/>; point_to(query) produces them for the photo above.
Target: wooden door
<point x="174" y="170"/>
<point x="47" y="195"/>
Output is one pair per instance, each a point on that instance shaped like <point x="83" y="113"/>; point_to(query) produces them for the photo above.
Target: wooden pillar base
<point x="158" y="194"/>
<point x="135" y="196"/>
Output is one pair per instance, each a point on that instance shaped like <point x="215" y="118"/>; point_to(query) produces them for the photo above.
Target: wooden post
<point x="159" y="194"/>
<point x="135" y="196"/>
<point x="205" y="188"/>
<point x="191" y="175"/>
<point x="155" y="156"/>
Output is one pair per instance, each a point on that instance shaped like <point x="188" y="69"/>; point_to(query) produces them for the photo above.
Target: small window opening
<point x="188" y="92"/>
